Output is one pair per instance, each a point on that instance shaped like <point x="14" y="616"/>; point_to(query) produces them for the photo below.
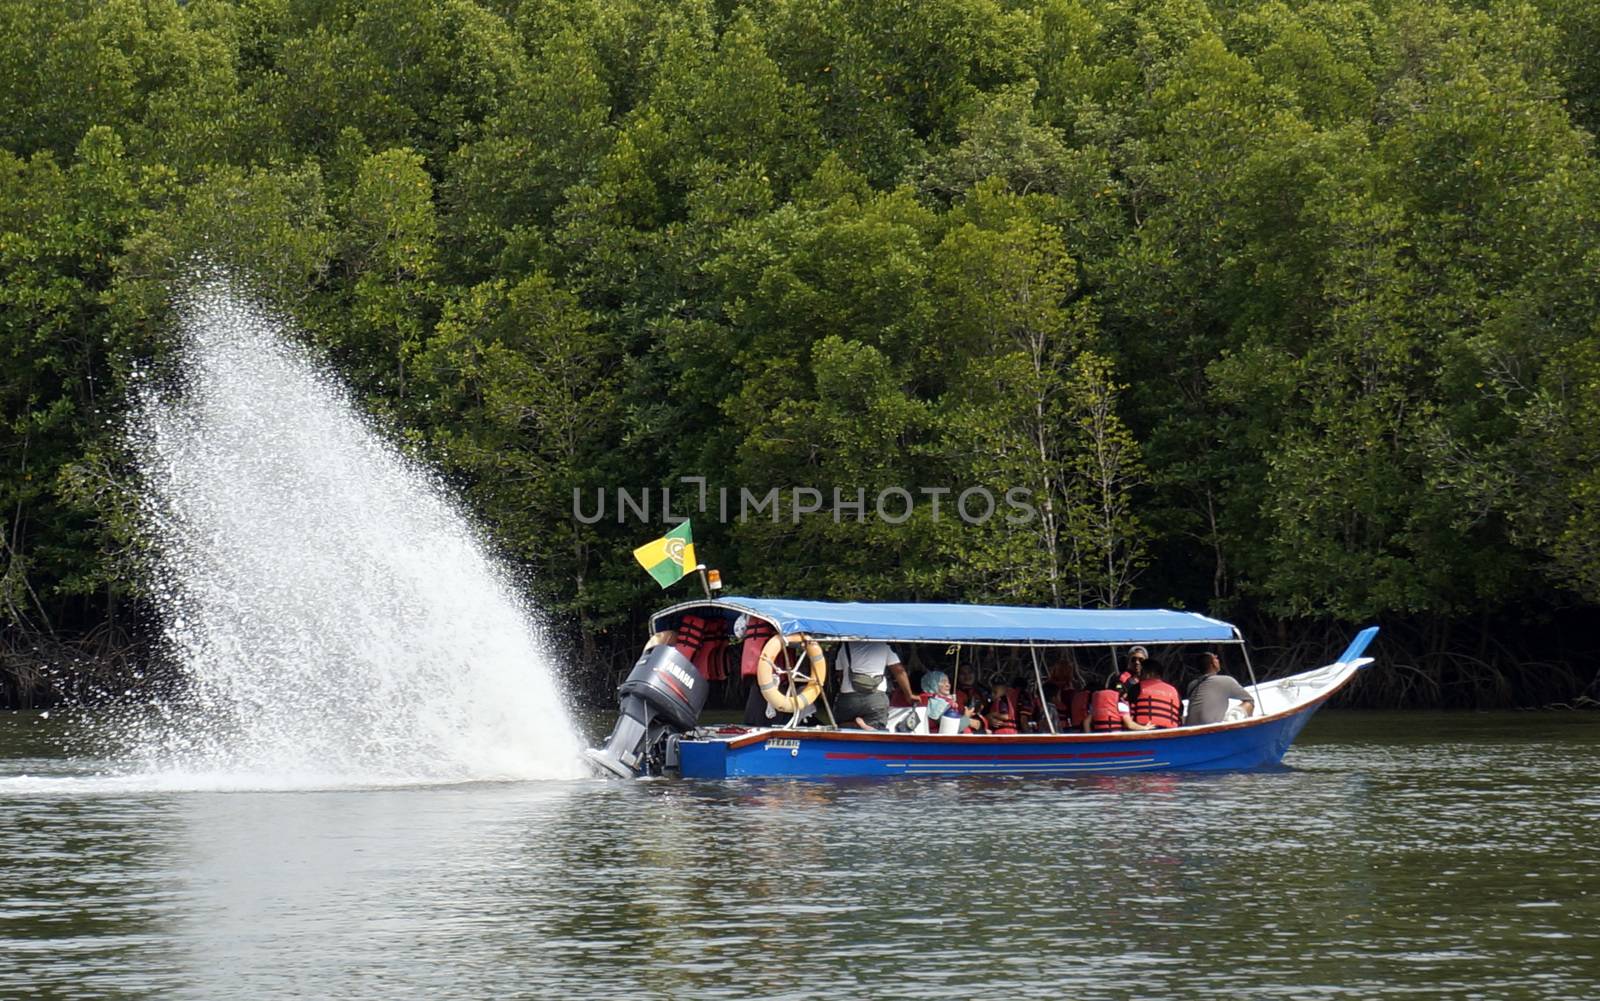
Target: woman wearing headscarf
<point x="937" y="697"/>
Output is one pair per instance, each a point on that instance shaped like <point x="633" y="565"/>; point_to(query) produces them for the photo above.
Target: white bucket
<point x="950" y="722"/>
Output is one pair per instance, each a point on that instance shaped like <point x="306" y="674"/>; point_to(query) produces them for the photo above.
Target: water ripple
<point x="1372" y="868"/>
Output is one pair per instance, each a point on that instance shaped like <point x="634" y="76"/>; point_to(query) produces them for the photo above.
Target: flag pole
<point x="705" y="582"/>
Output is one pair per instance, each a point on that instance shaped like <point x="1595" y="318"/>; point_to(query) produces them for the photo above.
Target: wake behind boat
<point x="658" y="731"/>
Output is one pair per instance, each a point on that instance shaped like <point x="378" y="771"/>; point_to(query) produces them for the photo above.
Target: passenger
<point x="1050" y="717"/>
<point x="864" y="673"/>
<point x="967" y="695"/>
<point x="1130" y="675"/>
<point x="1157" y="706"/>
<point x="1209" y="694"/>
<point x="1078" y="703"/>
<point x="938" y="699"/>
<point x="1027" y="704"/>
<point x="1107" y="710"/>
<point x="976" y="698"/>
<point x="1078" y="708"/>
<point x="1002" y="714"/>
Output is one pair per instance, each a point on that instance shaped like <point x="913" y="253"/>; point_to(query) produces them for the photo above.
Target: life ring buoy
<point x="767" y="667"/>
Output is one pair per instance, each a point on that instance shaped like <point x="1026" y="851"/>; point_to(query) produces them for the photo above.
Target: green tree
<point x="1004" y="284"/>
<point x="390" y="261"/>
<point x="523" y="403"/>
<point x="59" y="232"/>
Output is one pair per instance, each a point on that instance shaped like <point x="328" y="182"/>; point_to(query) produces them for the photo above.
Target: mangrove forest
<point x="1287" y="312"/>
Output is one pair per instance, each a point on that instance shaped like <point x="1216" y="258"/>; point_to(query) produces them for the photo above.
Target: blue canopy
<point x="930" y="623"/>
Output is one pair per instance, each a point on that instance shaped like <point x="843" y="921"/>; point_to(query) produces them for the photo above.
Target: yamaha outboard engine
<point x="663" y="695"/>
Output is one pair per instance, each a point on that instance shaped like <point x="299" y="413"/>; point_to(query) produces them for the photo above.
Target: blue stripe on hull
<point x="831" y="754"/>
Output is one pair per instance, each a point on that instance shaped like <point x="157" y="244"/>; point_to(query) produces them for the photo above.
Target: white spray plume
<point x="337" y="620"/>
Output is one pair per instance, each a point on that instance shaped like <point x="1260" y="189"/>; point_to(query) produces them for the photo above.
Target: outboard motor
<point x="664" y="694"/>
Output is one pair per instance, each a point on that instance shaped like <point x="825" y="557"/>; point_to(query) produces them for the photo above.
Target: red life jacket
<point x="1027" y="709"/>
<point x="1158" y="705"/>
<point x="1104" y="715"/>
<point x="691" y="634"/>
<point x="969" y="697"/>
<point x="712" y="658"/>
<point x="755" y="637"/>
<point x="1078" y="709"/>
<point x="1003" y="714"/>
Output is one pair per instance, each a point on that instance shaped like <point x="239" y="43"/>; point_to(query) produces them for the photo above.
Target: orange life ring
<point x="767" y="667"/>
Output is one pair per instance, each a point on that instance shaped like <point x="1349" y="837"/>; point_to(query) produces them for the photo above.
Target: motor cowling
<point x="664" y="694"/>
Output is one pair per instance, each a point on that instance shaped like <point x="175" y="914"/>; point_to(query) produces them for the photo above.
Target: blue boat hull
<point x="821" y="753"/>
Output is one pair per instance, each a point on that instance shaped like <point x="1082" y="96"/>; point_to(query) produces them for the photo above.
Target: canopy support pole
<point x="1038" y="680"/>
<point x="794" y="670"/>
<point x="1255" y="687"/>
<point x="822" y="692"/>
<point x="823" y="695"/>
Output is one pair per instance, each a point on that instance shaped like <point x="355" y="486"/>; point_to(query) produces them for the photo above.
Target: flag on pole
<point x="669" y="557"/>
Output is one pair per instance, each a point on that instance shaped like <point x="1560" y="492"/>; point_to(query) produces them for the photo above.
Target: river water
<point x="1417" y="856"/>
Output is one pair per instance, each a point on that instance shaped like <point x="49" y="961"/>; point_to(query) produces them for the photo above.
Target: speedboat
<point x="658" y="731"/>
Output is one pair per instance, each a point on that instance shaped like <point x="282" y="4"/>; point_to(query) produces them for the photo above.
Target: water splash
<point x="336" y="619"/>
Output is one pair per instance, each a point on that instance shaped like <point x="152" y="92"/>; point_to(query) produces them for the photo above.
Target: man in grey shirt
<point x="1209" y="695"/>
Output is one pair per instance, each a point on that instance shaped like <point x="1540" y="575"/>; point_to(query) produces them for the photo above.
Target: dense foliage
<point x="1287" y="311"/>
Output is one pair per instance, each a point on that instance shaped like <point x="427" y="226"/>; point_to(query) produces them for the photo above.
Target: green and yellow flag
<point x="669" y="557"/>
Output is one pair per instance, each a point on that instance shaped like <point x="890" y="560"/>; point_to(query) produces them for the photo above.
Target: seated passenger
<point x="1039" y="715"/>
<point x="1002" y="714"/>
<point x="1107" y="711"/>
<point x="1054" y="717"/>
<point x="974" y="697"/>
<point x="1027" y="705"/>
<point x="1063" y="704"/>
<point x="1209" y="694"/>
<point x="1078" y="706"/>
<point x="967" y="695"/>
<point x="1157" y="706"/>
<point x="1130" y="676"/>
<point x="936" y="696"/>
<point x="864" y="673"/>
